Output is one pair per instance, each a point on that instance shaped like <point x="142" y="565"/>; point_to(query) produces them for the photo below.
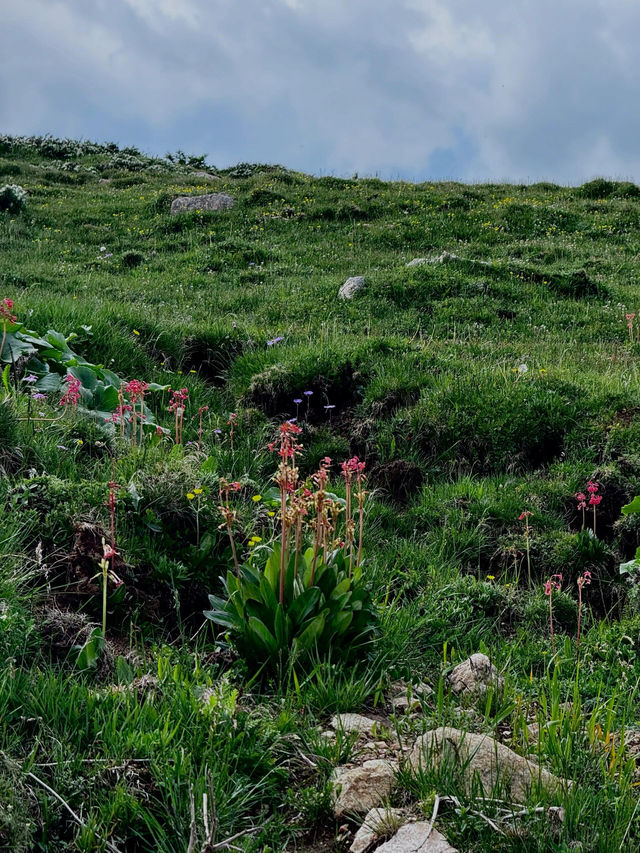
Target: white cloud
<point x="541" y="88"/>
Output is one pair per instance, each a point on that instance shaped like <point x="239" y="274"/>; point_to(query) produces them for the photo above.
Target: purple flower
<point x="330" y="406"/>
<point x="218" y="431"/>
<point x="61" y="447"/>
<point x="275" y="341"/>
<point x="30" y="378"/>
<point x="297" y="401"/>
<point x="42" y="414"/>
<point x="37" y="395"/>
<point x="292" y="420"/>
<point x="307" y="393"/>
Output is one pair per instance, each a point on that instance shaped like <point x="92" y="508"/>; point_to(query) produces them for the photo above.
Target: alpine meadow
<point x="319" y="509"/>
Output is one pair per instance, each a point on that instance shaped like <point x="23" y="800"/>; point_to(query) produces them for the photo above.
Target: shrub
<point x="12" y="198"/>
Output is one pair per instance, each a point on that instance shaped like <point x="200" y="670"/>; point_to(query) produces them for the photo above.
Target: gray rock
<point x="414" y="837"/>
<point x="351" y="287"/>
<point x="408" y="697"/>
<point x="485" y="759"/>
<point x="207" y="176"/>
<point x="212" y="201"/>
<point x="377" y="823"/>
<point x="353" y="723"/>
<point x="474" y="675"/>
<point x="444" y="258"/>
<point x="357" y="790"/>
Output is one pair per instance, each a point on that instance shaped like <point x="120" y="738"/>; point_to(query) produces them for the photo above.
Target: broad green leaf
<point x="263" y="634"/>
<point x="89" y="653"/>
<point x="272" y="569"/>
<point x="632" y="507"/>
<point x="630" y="567"/>
<point x="86" y="376"/>
<point x="14" y="349"/>
<point x="311" y="633"/>
<point x="302" y="606"/>
<point x="281" y="627"/>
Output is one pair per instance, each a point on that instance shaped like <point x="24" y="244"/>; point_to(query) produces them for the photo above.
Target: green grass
<point x="501" y="376"/>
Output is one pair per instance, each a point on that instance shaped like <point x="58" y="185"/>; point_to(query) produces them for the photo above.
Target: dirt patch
<point x="400" y="478"/>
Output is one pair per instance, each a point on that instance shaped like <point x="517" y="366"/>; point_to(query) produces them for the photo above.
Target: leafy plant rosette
<point x="304" y="600"/>
<point x="333" y="612"/>
<point x="51" y="360"/>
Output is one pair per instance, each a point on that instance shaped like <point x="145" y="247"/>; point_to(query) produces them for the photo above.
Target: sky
<point x="518" y="90"/>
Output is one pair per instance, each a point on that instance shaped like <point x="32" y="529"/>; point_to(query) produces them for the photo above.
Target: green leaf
<point x="302" y="606"/>
<point x="632" y="507"/>
<point x="268" y="594"/>
<point x="124" y="671"/>
<point x="89" y="653"/>
<point x="272" y="569"/>
<point x="630" y="567"/>
<point x="49" y="383"/>
<point x="263" y="634"/>
<point x="86" y="375"/>
<point x="14" y="348"/>
<point x="133" y="494"/>
<point x="311" y="633"/>
<point x="281" y="627"/>
<point x="56" y="340"/>
<point x="5" y="378"/>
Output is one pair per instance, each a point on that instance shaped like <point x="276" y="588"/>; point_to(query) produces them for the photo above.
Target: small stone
<point x="414" y="837"/>
<point x="475" y="675"/>
<point x="212" y="201"/>
<point x="377" y="823"/>
<point x="353" y="723"/>
<point x="351" y="287"/>
<point x="356" y="790"/>
<point x="406" y="697"/>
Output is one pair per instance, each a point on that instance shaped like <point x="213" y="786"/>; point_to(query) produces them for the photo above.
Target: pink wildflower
<point x="71" y="396"/>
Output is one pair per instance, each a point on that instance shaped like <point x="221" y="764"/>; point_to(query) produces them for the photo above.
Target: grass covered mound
<point x="485" y="375"/>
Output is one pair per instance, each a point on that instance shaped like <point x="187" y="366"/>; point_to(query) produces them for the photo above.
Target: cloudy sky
<point x="420" y="89"/>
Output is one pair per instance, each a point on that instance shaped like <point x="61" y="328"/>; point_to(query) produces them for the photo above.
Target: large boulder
<point x="351" y="287"/>
<point x="474" y="676"/>
<point x="212" y="201"/>
<point x="485" y="760"/>
<point x="357" y="790"/>
<point x="413" y="837"/>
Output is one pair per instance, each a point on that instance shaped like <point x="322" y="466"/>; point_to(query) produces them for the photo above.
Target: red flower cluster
<point x="71" y="396"/>
<point x="6" y="309"/>
<point x="178" y="399"/>
<point x="136" y="389"/>
<point x="594" y="498"/>
<point x="554" y="582"/>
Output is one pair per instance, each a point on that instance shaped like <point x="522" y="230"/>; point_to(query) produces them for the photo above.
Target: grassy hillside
<point x="498" y="377"/>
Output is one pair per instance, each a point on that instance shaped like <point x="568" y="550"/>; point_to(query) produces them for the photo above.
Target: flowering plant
<point x="305" y="590"/>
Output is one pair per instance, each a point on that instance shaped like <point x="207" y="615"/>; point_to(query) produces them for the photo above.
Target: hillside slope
<point x="495" y="376"/>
